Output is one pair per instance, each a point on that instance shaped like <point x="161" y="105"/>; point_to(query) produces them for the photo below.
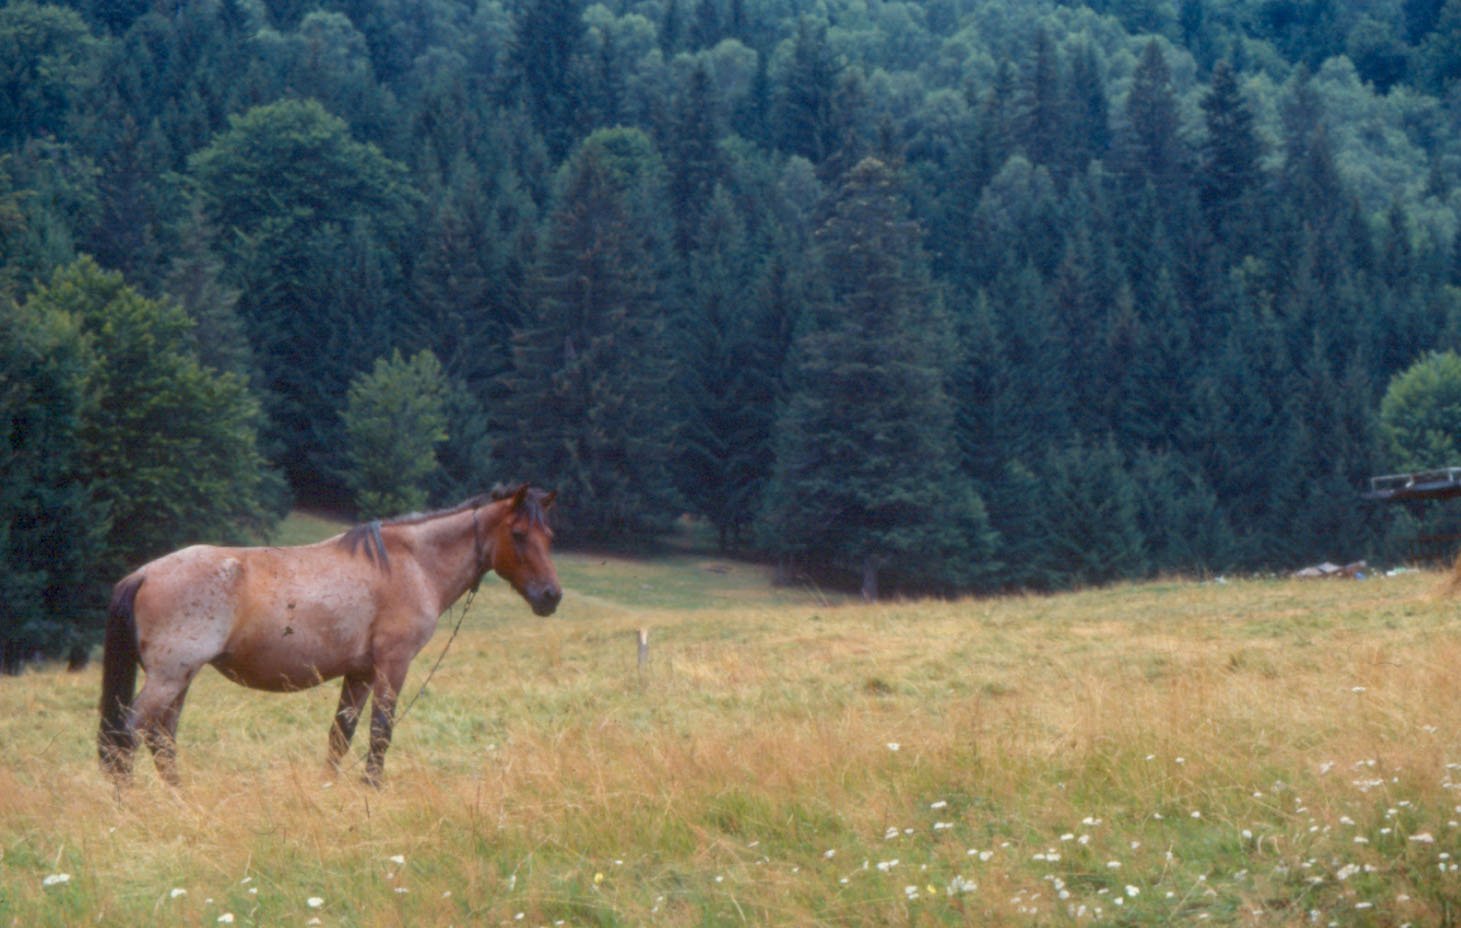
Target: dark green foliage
<point x="1420" y="415"/>
<point x="1229" y="176"/>
<point x="309" y="223"/>
<point x="51" y="526"/>
<point x="589" y="409"/>
<point x="805" y="109"/>
<point x="693" y="158"/>
<point x="168" y="447"/>
<point x="1151" y="149"/>
<point x="1088" y="514"/>
<point x="545" y="66"/>
<point x="43" y="54"/>
<point x="734" y="355"/>
<point x="395" y="416"/>
<point x="866" y="478"/>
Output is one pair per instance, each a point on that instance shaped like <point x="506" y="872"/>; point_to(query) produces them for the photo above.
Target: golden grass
<point x="1258" y="752"/>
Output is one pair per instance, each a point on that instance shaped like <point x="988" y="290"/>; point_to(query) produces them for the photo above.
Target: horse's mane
<point x="367" y="536"/>
<point x="532" y="504"/>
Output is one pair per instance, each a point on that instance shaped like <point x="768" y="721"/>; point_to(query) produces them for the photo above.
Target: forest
<point x="926" y="297"/>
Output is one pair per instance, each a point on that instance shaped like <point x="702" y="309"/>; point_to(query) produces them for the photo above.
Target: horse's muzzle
<point x="545" y="601"/>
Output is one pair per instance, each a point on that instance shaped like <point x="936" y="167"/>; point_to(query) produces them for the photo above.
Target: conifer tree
<point x="544" y="64"/>
<point x="805" y="120"/>
<point x="692" y="157"/>
<point x="1087" y="109"/>
<point x="1229" y="173"/>
<point x="1150" y="148"/>
<point x="866" y="478"/>
<point x="1089" y="526"/>
<point x="731" y="378"/>
<point x="590" y="408"/>
<point x="1042" y="107"/>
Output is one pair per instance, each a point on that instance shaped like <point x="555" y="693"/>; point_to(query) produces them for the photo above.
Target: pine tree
<point x="1150" y="148"/>
<point x="1182" y="523"/>
<point x="732" y="374"/>
<point x="1042" y="107"/>
<point x="1088" y="135"/>
<point x="1229" y="174"/>
<point x="590" y="408"/>
<point x="1089" y="526"/>
<point x="693" y="158"/>
<point x="805" y="120"/>
<point x="866" y="478"/>
<point x="544" y="65"/>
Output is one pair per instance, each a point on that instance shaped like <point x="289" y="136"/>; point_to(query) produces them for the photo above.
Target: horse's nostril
<point x="546" y="600"/>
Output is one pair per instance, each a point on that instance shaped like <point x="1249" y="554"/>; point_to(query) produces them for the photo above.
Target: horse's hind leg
<point x="352" y="697"/>
<point x="155" y="714"/>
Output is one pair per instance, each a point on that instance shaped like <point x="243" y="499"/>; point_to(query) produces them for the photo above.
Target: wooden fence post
<point x="642" y="636"/>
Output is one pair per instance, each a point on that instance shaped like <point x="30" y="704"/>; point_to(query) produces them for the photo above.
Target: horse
<point x="359" y="606"/>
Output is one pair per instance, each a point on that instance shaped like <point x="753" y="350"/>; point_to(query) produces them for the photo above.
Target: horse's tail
<point x="115" y="740"/>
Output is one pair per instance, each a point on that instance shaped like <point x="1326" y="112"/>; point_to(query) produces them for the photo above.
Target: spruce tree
<point x="692" y="157"/>
<point x="590" y="409"/>
<point x="1150" y="148"/>
<point x="544" y="66"/>
<point x="866" y="479"/>
<point x="1229" y="174"/>
<point x="805" y="123"/>
<point x="731" y="377"/>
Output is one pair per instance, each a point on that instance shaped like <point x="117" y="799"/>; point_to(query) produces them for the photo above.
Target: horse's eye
<point x="519" y="536"/>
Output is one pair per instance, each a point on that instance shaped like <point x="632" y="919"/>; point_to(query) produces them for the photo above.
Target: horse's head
<point x="520" y="543"/>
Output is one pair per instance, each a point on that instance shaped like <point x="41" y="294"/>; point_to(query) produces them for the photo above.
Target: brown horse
<point x="358" y="606"/>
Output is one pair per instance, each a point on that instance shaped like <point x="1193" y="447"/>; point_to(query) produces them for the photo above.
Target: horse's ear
<point x="548" y="500"/>
<point x="519" y="495"/>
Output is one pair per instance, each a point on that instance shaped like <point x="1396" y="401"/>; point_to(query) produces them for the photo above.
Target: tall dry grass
<point x="1264" y="752"/>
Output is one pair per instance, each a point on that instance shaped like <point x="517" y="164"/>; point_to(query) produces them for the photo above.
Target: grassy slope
<point x="1264" y="752"/>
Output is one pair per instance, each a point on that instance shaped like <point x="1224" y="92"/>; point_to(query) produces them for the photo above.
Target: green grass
<point x="1260" y="752"/>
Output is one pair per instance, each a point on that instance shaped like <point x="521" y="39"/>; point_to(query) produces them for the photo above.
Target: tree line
<point x="942" y="296"/>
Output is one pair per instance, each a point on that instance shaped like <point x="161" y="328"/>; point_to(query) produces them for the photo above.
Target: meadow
<point x="1253" y="752"/>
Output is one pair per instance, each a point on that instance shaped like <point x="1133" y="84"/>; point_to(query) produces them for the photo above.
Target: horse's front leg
<point x="352" y="697"/>
<point x="389" y="678"/>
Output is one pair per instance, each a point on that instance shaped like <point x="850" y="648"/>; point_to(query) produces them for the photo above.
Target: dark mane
<point x="532" y="502"/>
<point x="366" y="536"/>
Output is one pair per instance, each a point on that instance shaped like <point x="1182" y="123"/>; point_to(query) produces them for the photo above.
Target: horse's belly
<point x="295" y="652"/>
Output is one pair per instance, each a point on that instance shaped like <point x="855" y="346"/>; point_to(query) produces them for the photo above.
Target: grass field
<point x="1257" y="752"/>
